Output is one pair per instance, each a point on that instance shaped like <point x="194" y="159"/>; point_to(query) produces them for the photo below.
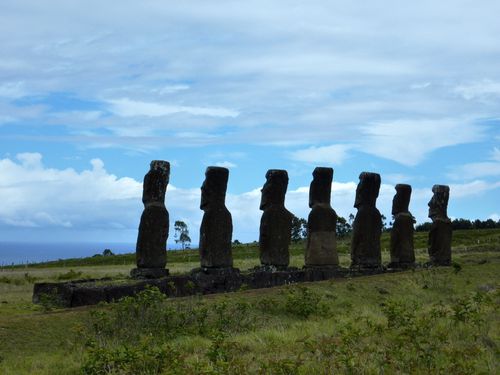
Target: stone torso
<point x="321" y="248"/>
<point x="402" y="250"/>
<point x="440" y="242"/>
<point x="275" y="234"/>
<point x="365" y="246"/>
<point x="215" y="238"/>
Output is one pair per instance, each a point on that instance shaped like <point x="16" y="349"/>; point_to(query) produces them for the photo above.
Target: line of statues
<point x="276" y="223"/>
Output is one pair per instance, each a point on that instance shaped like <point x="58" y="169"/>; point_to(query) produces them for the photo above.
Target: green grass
<point x="425" y="321"/>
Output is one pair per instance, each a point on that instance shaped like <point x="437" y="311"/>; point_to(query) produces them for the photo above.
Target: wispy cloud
<point x="331" y="155"/>
<point x="130" y="108"/>
<point x="408" y="142"/>
<point x="479" y="90"/>
<point x="471" y="171"/>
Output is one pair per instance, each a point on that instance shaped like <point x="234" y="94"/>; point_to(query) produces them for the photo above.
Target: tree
<point x="299" y="229"/>
<point x="351" y="219"/>
<point x="182" y="234"/>
<point x="384" y="223"/>
<point x="343" y="228"/>
<point x="107" y="253"/>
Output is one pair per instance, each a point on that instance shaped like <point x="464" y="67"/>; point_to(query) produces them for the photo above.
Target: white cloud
<point x="13" y="90"/>
<point x="479" y="90"/>
<point x="332" y="155"/>
<point x="130" y="108"/>
<point x="225" y="164"/>
<point x="476" y="187"/>
<point x="420" y="86"/>
<point x="495" y="154"/>
<point x="494" y="217"/>
<point x="408" y="142"/>
<point x="470" y="171"/>
<point x="37" y="196"/>
<point x="170" y="89"/>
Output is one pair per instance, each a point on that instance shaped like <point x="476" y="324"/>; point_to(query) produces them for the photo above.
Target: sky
<point x="92" y="91"/>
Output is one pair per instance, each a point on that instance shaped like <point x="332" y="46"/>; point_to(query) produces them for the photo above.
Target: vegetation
<point x="439" y="320"/>
<point x="299" y="229"/>
<point x="463" y="224"/>
<point x="181" y="234"/>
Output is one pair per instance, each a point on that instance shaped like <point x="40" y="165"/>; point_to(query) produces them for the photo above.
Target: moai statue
<point x="367" y="226"/>
<point x="217" y="226"/>
<point x="151" y="249"/>
<point x="321" y="248"/>
<point x="440" y="233"/>
<point x="402" y="251"/>
<point x="276" y="221"/>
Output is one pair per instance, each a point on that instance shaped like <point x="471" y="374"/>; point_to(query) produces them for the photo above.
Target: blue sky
<point x="91" y="91"/>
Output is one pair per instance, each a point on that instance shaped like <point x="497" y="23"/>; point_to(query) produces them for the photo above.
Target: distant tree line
<point x="463" y="224"/>
<point x="344" y="226"/>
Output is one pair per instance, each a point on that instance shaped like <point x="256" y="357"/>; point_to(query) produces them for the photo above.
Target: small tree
<point x="182" y="234"/>
<point x="343" y="228"/>
<point x="299" y="229"/>
<point x="107" y="253"/>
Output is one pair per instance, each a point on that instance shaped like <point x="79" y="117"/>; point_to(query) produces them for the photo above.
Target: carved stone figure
<point x="367" y="226"/>
<point x="276" y="221"/>
<point x="441" y="231"/>
<point x="402" y="251"/>
<point x="321" y="248"/>
<point x="151" y="249"/>
<point x="217" y="226"/>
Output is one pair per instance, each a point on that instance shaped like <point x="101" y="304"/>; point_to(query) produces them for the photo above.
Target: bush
<point x="303" y="302"/>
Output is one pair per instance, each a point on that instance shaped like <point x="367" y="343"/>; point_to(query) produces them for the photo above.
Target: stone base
<point x="198" y="281"/>
<point x="148" y="273"/>
<point x="216" y="280"/>
<point x="401" y="266"/>
<point x="435" y="263"/>
<point x="273" y="268"/>
<point x="318" y="273"/>
<point x="366" y="269"/>
<point x="267" y="276"/>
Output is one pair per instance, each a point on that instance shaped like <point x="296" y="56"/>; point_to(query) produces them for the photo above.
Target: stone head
<point x="213" y="190"/>
<point x="401" y="200"/>
<point x="274" y="190"/>
<point x="156" y="181"/>
<point x="161" y="166"/>
<point x="321" y="186"/>
<point x="367" y="190"/>
<point x="438" y="205"/>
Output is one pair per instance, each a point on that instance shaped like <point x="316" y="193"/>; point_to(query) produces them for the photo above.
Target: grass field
<point x="425" y="321"/>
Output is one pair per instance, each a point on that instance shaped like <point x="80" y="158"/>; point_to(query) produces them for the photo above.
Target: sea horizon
<point x="14" y="253"/>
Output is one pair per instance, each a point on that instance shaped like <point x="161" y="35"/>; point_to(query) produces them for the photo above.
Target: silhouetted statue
<point x="151" y="249"/>
<point x="276" y="221"/>
<point x="402" y="251"/>
<point x="367" y="226"/>
<point x="217" y="226"/>
<point x="441" y="231"/>
<point x="321" y="248"/>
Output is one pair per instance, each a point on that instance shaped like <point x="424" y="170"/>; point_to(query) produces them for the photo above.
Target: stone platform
<point x="198" y="281"/>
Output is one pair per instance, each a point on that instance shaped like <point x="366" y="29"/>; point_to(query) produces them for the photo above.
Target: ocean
<point x="32" y="252"/>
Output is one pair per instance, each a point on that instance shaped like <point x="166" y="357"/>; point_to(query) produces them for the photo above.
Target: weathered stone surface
<point x="216" y="280"/>
<point x="148" y="273"/>
<point x="321" y="247"/>
<point x="367" y="227"/>
<point x="151" y="251"/>
<point x="266" y="277"/>
<point x="441" y="231"/>
<point x="402" y="250"/>
<point x="317" y="273"/>
<point x="216" y="227"/>
<point x="276" y="221"/>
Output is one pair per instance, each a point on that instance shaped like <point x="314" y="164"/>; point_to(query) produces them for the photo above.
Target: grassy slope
<point x="49" y="342"/>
